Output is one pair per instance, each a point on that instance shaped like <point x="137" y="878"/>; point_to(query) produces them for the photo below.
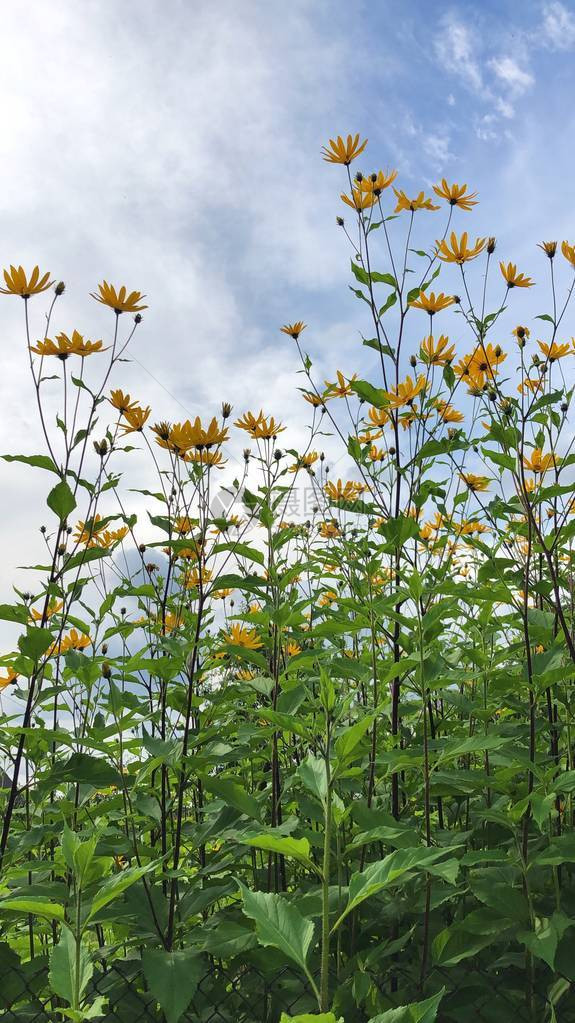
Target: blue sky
<point x="175" y="147"/>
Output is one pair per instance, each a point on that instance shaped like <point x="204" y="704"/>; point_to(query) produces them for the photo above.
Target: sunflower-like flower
<point x="328" y="598"/>
<point x="437" y="353"/>
<point x="205" y="457"/>
<point x="293" y="329"/>
<point x="87" y="531"/>
<point x="539" y="463"/>
<point x="406" y="392"/>
<point x="359" y="200"/>
<point x="534" y="385"/>
<point x="343" y="152"/>
<point x="340" y="491"/>
<point x="136" y="418"/>
<point x="521" y="333"/>
<point x="377" y="454"/>
<point x="447" y="413"/>
<point x="120" y="301"/>
<point x="569" y="252"/>
<point x="304" y="462"/>
<point x="241" y="635"/>
<point x="420" y="202"/>
<point x="341" y="388"/>
<point x="456" y="195"/>
<point x="122" y="402"/>
<point x="18" y="283"/>
<point x="476" y="484"/>
<point x="514" y="279"/>
<point x="54" y="608"/>
<point x="292" y="648"/>
<point x="379" y="417"/>
<point x="549" y="248"/>
<point x="457" y="250"/>
<point x="329" y="530"/>
<point x="64" y="346"/>
<point x="554" y="351"/>
<point x="377" y="183"/>
<point x="432" y="303"/>
<point x="8" y="679"/>
<point x="259" y="427"/>
<point x="315" y="400"/>
<point x="74" y="640"/>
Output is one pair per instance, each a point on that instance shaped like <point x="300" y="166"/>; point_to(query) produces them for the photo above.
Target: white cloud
<point x="456" y="50"/>
<point x="558" y="26"/>
<point x="511" y="74"/>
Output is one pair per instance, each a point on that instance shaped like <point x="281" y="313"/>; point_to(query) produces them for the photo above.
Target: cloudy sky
<point x="174" y="146"/>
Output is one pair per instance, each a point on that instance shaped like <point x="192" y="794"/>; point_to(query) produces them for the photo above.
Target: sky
<point x="174" y="147"/>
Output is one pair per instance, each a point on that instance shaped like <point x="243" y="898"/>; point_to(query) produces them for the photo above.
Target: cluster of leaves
<point x="345" y="739"/>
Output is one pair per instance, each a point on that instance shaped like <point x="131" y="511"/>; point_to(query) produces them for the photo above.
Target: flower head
<point x="343" y="152"/>
<point x="475" y="483"/>
<point x="447" y="413"/>
<point x="340" y="491"/>
<point x="419" y="203"/>
<point x="569" y="252"/>
<point x="359" y="200"/>
<point x="293" y="329"/>
<point x="549" y="248"/>
<point x="136" y="418"/>
<point x="377" y="183"/>
<point x="406" y="392"/>
<point x="459" y="252"/>
<point x="17" y="283"/>
<point x="122" y="402"/>
<point x="514" y="280"/>
<point x="539" y="463"/>
<point x="437" y="353"/>
<point x="259" y="427"/>
<point x="241" y="635"/>
<point x="120" y="301"/>
<point x="554" y="351"/>
<point x="305" y="462"/>
<point x="456" y="195"/>
<point x="432" y="303"/>
<point x="341" y="388"/>
<point x="8" y="679"/>
<point x="64" y="346"/>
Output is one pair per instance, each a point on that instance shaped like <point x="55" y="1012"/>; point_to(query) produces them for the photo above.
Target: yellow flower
<point x="315" y="400"/>
<point x="549" y="248"/>
<point x="539" y="463"/>
<point x="343" y="152"/>
<point x="73" y="641"/>
<point x="340" y="388"/>
<point x="437" y="353"/>
<point x="447" y="413"/>
<point x="6" y="680"/>
<point x="521" y="332"/>
<point x="527" y="384"/>
<point x="475" y="483"/>
<point x="456" y="195"/>
<point x="419" y="203"/>
<point x="87" y="532"/>
<point x="359" y="200"/>
<point x="136" y="418"/>
<point x="515" y="280"/>
<point x="459" y="252"/>
<point x="184" y="524"/>
<point x="406" y="392"/>
<point x="120" y="301"/>
<point x="54" y="608"/>
<point x="245" y="675"/>
<point x="304" y="462"/>
<point x="569" y="252"/>
<point x="122" y="402"/>
<point x="327" y="598"/>
<point x="259" y="427"/>
<point x="192" y="578"/>
<point x="377" y="183"/>
<point x="221" y="594"/>
<point x="340" y="491"/>
<point x="379" y="417"/>
<point x="240" y="635"/>
<point x="65" y="346"/>
<point x="293" y="648"/>
<point x="205" y="457"/>
<point x="17" y="283"/>
<point x="293" y="329"/>
<point x="376" y="454"/>
<point x="554" y="351"/>
<point x="329" y="530"/>
<point x="432" y="303"/>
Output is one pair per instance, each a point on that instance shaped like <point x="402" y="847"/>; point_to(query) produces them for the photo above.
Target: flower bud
<point x="60" y="288"/>
<point x="138" y="318"/>
<point x="491" y="245"/>
<point x="339" y="221"/>
<point x="226" y="410"/>
<point x="106" y="670"/>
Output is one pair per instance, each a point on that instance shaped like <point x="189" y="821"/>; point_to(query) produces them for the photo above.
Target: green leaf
<point x="543" y="940"/>
<point x="38" y="906"/>
<point x="14" y="613"/>
<point x="233" y="794"/>
<point x="312" y="774"/>
<point x="71" y="969"/>
<point x="173" y="978"/>
<point x="61" y="500"/>
<point x="35" y="642"/>
<point x="296" y="848"/>
<point x="38" y="461"/>
<point x="116" y="885"/>
<point x="311" y="1017"/>
<point x="416" y="1012"/>
<point x="279" y="924"/>
<point x="386" y="872"/>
